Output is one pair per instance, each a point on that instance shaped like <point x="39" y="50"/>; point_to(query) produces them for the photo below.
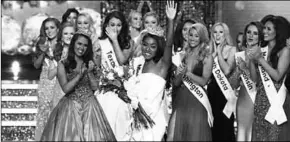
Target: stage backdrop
<point x="19" y="11"/>
<point x="202" y="11"/>
<point x="237" y="14"/>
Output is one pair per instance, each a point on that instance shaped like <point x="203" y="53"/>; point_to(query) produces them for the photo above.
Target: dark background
<point x="27" y="70"/>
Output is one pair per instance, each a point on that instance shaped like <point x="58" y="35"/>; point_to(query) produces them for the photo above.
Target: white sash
<point x="226" y="89"/>
<point x="109" y="53"/>
<point x="138" y="64"/>
<point x="248" y="83"/>
<point x="200" y="94"/>
<point x="197" y="92"/>
<point x="276" y="99"/>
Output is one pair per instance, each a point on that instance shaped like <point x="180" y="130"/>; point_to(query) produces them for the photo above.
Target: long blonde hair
<point x="227" y="36"/>
<point x="204" y="39"/>
<point x="92" y="30"/>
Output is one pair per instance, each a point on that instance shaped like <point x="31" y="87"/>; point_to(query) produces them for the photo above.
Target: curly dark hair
<point x="123" y="37"/>
<point x="178" y="40"/>
<point x="67" y="13"/>
<point x="70" y="62"/>
<point x="282" y="28"/>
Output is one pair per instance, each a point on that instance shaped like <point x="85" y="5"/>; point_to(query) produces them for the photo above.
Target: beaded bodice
<point x="83" y="90"/>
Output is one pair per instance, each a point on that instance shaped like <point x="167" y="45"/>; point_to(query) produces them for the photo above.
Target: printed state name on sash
<point x="200" y="94"/>
<point x="109" y="53"/>
<point x="276" y="99"/>
<point x="138" y="65"/>
<point x="248" y="83"/>
<point x="226" y="89"/>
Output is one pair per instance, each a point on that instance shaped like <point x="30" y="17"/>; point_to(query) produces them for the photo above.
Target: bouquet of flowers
<point x="121" y="82"/>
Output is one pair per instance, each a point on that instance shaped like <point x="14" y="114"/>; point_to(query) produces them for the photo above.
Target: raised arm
<point x="121" y="55"/>
<point x="283" y="65"/>
<point x="149" y="5"/>
<point x="140" y="6"/>
<point x="67" y="85"/>
<point x="170" y="12"/>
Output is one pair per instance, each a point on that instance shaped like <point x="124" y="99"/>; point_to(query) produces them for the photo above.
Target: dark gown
<point x="191" y="116"/>
<point x="262" y="129"/>
<point x="78" y="117"/>
<point x="223" y="127"/>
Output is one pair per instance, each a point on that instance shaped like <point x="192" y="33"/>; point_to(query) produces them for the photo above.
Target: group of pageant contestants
<point x="213" y="82"/>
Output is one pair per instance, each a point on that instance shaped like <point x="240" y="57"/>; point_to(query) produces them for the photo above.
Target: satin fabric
<point x="78" y="117"/>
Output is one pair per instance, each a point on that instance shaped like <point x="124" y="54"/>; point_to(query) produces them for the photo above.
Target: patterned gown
<point x="262" y="129"/>
<point x="284" y="135"/>
<point x="45" y="99"/>
<point x="78" y="116"/>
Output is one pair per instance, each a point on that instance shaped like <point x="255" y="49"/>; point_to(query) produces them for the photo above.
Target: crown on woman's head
<point x="84" y="32"/>
<point x="158" y="31"/>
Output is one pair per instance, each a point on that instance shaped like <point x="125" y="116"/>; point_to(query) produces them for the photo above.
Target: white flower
<point x="134" y="102"/>
<point x="110" y="76"/>
<point x="131" y="71"/>
<point x="120" y="71"/>
<point x="131" y="83"/>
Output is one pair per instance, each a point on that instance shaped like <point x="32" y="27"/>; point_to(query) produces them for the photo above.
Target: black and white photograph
<point x="145" y="70"/>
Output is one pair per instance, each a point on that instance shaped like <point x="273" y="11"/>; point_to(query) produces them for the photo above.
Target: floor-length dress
<point x="150" y="93"/>
<point x="223" y="127"/>
<point x="245" y="113"/>
<point x="78" y="116"/>
<point x="191" y="116"/>
<point x="284" y="134"/>
<point x="262" y="129"/>
<point x="116" y="110"/>
<point x="45" y="98"/>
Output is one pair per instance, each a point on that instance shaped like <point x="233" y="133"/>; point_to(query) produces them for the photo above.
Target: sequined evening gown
<point x="78" y="117"/>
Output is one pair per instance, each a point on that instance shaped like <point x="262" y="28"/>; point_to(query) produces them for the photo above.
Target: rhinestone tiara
<point x="83" y="32"/>
<point x="158" y="31"/>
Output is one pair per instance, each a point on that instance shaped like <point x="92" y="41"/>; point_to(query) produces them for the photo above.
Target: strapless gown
<point x="150" y="93"/>
<point x="78" y="117"/>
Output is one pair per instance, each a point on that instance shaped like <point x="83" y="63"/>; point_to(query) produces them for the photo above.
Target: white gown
<point x="116" y="111"/>
<point x="150" y="91"/>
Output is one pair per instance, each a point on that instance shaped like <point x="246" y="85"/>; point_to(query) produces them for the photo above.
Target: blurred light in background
<point x="69" y="2"/>
<point x="15" y="5"/>
<point x="43" y="4"/>
<point x="15" y="68"/>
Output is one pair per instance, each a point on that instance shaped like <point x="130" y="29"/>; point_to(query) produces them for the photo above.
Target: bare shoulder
<point x="232" y="49"/>
<point x="285" y="52"/>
